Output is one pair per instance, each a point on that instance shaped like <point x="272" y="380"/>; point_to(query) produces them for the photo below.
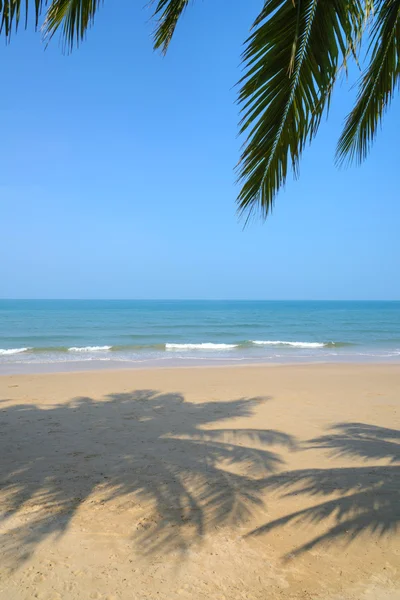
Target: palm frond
<point x="74" y="16"/>
<point x="291" y="60"/>
<point x="377" y="85"/>
<point x="167" y="13"/>
<point x="12" y="11"/>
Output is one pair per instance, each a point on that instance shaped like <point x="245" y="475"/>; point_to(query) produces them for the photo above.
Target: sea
<point x="63" y="335"/>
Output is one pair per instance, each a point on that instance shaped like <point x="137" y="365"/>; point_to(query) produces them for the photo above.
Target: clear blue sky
<point x="117" y="175"/>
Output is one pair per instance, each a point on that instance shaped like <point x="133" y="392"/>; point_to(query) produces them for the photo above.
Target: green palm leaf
<point x="10" y="14"/>
<point x="377" y="85"/>
<point x="292" y="60"/>
<point x="74" y="16"/>
<point x="167" y="13"/>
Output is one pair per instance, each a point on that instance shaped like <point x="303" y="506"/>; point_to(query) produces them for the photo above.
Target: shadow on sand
<point x="369" y="497"/>
<point x="150" y="448"/>
<point x="189" y="472"/>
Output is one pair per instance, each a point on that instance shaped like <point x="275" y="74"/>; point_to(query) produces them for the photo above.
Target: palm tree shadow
<point x="369" y="497"/>
<point x="152" y="449"/>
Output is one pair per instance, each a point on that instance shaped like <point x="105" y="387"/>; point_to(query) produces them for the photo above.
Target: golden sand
<point x="207" y="483"/>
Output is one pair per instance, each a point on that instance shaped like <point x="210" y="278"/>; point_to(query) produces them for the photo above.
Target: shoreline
<point x="196" y="363"/>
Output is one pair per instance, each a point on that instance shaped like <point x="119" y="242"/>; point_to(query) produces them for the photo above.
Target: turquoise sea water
<point x="75" y="334"/>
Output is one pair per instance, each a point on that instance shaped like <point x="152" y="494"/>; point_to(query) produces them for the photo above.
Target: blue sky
<point x="117" y="175"/>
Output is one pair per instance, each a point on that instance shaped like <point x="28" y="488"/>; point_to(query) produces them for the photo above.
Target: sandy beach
<point x="219" y="483"/>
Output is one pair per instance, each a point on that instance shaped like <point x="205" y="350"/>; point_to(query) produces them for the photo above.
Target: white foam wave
<point x="89" y="348"/>
<point x="204" y="346"/>
<point x="4" y="351"/>
<point x="283" y="343"/>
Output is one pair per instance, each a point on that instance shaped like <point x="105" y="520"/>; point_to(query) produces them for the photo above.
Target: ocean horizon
<point x="41" y="335"/>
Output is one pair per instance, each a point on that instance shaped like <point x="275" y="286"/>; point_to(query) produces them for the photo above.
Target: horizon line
<point x="199" y="299"/>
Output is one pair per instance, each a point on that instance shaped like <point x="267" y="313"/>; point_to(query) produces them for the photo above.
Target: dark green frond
<point x="377" y="85"/>
<point x="167" y="14"/>
<point x="291" y="60"/>
<point x="11" y="12"/>
<point x="74" y="16"/>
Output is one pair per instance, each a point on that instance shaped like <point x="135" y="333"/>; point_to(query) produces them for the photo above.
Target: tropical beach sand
<point x="218" y="483"/>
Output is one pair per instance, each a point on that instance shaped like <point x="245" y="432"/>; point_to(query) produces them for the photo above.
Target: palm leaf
<point x="10" y="14"/>
<point x="291" y="60"/>
<point x="167" y="13"/>
<point x="377" y="85"/>
<point x="74" y="16"/>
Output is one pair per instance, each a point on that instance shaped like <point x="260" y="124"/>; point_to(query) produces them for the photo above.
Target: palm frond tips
<point x="12" y="11"/>
<point x="167" y="14"/>
<point x="377" y="85"/>
<point x="291" y="61"/>
<point x="73" y="16"/>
